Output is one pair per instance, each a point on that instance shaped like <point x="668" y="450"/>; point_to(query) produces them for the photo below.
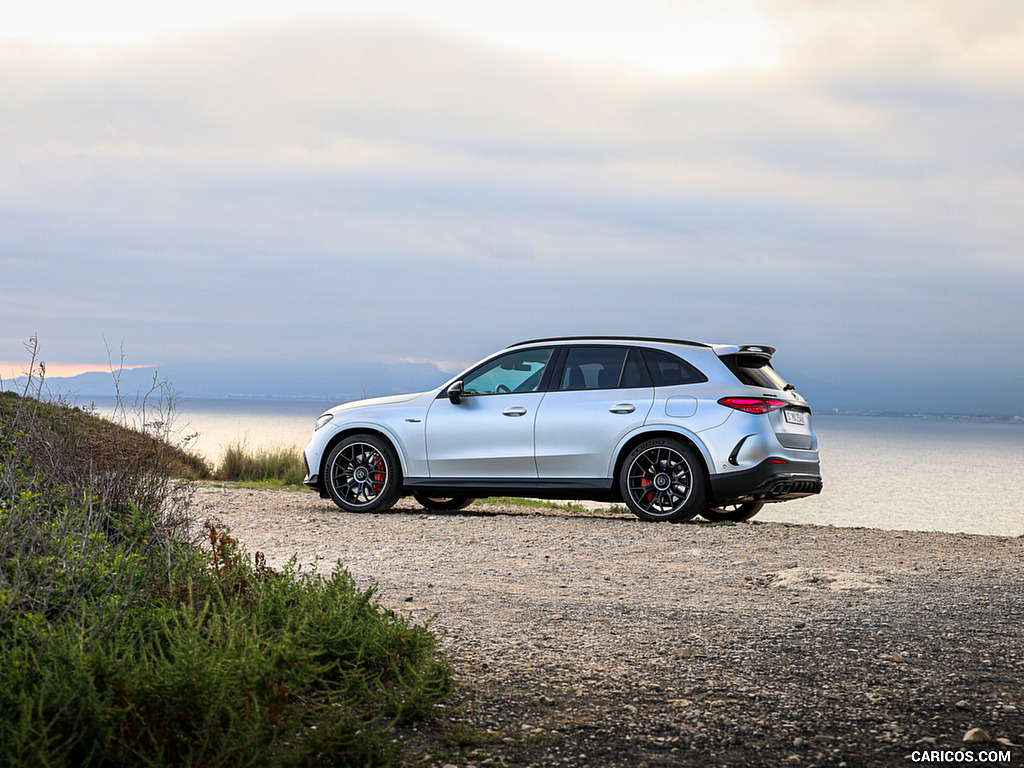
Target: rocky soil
<point x="596" y="639"/>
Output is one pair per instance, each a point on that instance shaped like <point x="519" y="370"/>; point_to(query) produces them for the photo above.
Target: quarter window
<point x="670" y="371"/>
<point x="519" y="371"/>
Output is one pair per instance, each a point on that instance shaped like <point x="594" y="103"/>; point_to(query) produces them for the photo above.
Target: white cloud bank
<point x="387" y="188"/>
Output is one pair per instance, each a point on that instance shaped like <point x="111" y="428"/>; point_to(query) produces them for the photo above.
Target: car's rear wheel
<point x="735" y="513"/>
<point x="663" y="480"/>
<point x="362" y="474"/>
<point x="442" y="503"/>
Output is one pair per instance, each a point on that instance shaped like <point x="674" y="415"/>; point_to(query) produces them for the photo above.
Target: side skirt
<point x="585" y="489"/>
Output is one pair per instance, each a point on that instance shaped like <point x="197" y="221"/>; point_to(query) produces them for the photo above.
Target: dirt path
<point x="601" y="640"/>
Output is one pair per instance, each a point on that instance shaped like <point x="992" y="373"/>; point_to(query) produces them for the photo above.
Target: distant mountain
<point x="306" y="380"/>
<point x="340" y="381"/>
<point x="350" y="380"/>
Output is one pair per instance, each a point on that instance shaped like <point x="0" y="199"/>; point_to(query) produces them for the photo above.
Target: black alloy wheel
<point x="362" y="474"/>
<point x="663" y="480"/>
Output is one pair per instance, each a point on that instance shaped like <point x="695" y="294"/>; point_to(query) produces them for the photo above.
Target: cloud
<point x="381" y="190"/>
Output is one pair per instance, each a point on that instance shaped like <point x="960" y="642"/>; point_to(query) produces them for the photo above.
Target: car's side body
<point x="555" y="418"/>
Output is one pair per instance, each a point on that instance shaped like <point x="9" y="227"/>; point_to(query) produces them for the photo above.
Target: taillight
<point x="753" y="404"/>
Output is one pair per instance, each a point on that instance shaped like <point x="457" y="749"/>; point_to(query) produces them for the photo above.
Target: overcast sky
<point x="291" y="181"/>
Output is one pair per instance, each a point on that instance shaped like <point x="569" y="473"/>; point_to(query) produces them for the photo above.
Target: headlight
<point x="323" y="420"/>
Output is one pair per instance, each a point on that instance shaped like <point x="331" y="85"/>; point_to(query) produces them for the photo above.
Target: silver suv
<point x="672" y="428"/>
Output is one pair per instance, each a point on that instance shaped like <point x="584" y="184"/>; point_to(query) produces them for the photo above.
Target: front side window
<point x="519" y="371"/>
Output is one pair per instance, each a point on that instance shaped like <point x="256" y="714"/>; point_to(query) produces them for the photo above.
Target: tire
<point x="442" y="503"/>
<point x="663" y="480"/>
<point x="362" y="474"/>
<point x="735" y="513"/>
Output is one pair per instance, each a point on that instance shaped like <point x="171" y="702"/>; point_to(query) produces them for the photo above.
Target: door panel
<point x="577" y="430"/>
<point x="483" y="436"/>
<point x="489" y="433"/>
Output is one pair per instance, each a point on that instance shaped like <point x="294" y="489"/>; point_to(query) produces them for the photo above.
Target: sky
<point x="290" y="183"/>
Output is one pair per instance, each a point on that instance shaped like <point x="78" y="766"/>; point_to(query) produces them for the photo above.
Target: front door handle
<point x="516" y="410"/>
<point x="623" y="408"/>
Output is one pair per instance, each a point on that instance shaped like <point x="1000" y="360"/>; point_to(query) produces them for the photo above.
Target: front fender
<point x="408" y="443"/>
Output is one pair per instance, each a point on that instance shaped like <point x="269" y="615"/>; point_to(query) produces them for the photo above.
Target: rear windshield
<point x="756" y="371"/>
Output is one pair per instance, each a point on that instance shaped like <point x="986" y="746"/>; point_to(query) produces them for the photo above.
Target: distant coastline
<point x="988" y="418"/>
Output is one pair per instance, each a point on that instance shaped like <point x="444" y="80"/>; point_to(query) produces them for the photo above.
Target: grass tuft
<point x="279" y="465"/>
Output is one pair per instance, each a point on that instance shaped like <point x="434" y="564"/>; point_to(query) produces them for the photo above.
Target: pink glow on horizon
<point x="9" y="370"/>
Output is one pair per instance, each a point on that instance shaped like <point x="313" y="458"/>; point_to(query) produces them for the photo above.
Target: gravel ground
<point x="596" y="639"/>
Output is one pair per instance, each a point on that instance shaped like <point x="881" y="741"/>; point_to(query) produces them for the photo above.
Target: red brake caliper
<point x="378" y="476"/>
<point x="644" y="482"/>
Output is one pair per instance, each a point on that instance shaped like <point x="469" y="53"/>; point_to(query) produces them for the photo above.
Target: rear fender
<point x="634" y="439"/>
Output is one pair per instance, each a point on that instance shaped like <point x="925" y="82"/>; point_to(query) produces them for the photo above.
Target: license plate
<point x="796" y="417"/>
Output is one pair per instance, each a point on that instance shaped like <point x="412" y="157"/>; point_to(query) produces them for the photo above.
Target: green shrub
<point x="123" y="643"/>
<point x="232" y="664"/>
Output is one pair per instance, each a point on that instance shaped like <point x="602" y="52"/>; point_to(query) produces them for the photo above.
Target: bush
<point x="122" y="643"/>
<point x="282" y="465"/>
<point x="87" y="508"/>
<point x="230" y="665"/>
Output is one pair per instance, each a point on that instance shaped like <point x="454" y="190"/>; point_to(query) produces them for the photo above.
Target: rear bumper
<point x="774" y="479"/>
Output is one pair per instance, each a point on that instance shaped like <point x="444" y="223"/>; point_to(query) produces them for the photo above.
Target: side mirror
<point x="454" y="392"/>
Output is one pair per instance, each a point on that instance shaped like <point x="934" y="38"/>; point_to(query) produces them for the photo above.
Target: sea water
<point x="915" y="474"/>
<point x="211" y="425"/>
<point x="893" y="473"/>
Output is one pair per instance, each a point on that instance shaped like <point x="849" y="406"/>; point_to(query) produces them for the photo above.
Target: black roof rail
<point x="655" y="339"/>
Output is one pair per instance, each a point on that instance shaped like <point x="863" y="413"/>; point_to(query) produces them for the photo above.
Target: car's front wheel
<point x="663" y="480"/>
<point x="442" y="503"/>
<point x="363" y="474"/>
<point x="735" y="513"/>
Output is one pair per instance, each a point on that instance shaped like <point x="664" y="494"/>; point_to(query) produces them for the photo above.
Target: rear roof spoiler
<point x="760" y="350"/>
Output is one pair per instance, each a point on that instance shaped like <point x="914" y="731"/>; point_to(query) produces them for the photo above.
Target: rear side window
<point x="593" y="368"/>
<point x="755" y="371"/>
<point x="670" y="371"/>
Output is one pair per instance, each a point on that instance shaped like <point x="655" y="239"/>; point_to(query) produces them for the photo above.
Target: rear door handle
<point x="623" y="408"/>
<point x="516" y="410"/>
